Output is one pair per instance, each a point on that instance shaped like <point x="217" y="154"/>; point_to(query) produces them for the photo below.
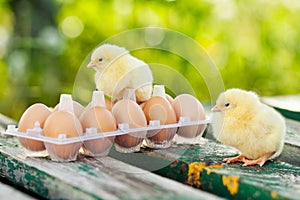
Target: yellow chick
<point x="240" y="120"/>
<point x="117" y="70"/>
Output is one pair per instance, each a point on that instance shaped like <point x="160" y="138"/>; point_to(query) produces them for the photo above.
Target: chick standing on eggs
<point x="255" y="129"/>
<point x="116" y="70"/>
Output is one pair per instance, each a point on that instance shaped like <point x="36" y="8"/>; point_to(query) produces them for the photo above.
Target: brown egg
<point x="142" y="105"/>
<point x="78" y="108"/>
<point x="36" y="112"/>
<point x="108" y="103"/>
<point x="103" y="120"/>
<point x="188" y="105"/>
<point x="159" y="108"/>
<point x="127" y="111"/>
<point x="63" y="122"/>
<point x="169" y="98"/>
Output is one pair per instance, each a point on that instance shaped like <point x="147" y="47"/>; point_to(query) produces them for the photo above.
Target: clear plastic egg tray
<point x="102" y="141"/>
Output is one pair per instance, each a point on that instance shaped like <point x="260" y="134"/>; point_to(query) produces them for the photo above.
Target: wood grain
<point x="150" y="173"/>
<point x="87" y="178"/>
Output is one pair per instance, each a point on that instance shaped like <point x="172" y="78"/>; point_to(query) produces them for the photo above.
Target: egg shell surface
<point x="159" y="108"/>
<point x="63" y="122"/>
<point x="188" y="105"/>
<point x="102" y="119"/>
<point x="36" y="112"/>
<point x="78" y="108"/>
<point x="98" y="117"/>
<point x="127" y="111"/>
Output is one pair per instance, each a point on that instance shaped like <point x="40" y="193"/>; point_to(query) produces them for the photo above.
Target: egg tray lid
<point x="91" y="133"/>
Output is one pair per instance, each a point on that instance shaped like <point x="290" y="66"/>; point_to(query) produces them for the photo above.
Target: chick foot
<point x="239" y="158"/>
<point x="260" y="161"/>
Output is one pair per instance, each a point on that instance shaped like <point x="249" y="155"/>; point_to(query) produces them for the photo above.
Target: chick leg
<point x="260" y="161"/>
<point x="239" y="158"/>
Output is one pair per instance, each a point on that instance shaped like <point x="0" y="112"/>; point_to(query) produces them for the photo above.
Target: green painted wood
<point x="288" y="106"/>
<point x="198" y="165"/>
<point x="275" y="179"/>
<point x="291" y="151"/>
<point x="87" y="178"/>
<point x="175" y="162"/>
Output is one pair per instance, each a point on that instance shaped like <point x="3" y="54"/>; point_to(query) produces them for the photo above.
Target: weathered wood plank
<point x="7" y="192"/>
<point x="197" y="165"/>
<point x="4" y="121"/>
<point x="291" y="151"/>
<point x="87" y="178"/>
<point x="274" y="181"/>
<point x="201" y="166"/>
<point x="288" y="106"/>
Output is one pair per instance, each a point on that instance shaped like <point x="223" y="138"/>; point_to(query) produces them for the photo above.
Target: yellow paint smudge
<point x="232" y="183"/>
<point x="208" y="171"/>
<point x="195" y="170"/>
<point x="274" y="195"/>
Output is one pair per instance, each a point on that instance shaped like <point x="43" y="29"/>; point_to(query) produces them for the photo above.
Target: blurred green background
<point x="255" y="44"/>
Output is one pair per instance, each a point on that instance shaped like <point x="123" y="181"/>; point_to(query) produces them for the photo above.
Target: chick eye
<point x="100" y="59"/>
<point x="227" y="104"/>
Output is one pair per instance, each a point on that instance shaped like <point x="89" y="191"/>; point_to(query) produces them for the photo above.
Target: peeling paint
<point x="274" y="195"/>
<point x="195" y="170"/>
<point x="232" y="183"/>
<point x="217" y="166"/>
<point x="88" y="169"/>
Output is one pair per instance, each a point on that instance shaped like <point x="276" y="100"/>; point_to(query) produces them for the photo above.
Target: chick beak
<point x="91" y="65"/>
<point x="216" y="109"/>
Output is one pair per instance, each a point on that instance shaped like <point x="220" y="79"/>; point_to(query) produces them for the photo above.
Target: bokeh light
<point x="254" y="44"/>
<point x="72" y="26"/>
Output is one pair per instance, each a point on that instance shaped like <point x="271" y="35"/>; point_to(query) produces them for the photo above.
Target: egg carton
<point x="63" y="149"/>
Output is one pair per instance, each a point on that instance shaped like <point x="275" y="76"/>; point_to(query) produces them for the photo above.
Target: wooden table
<point x="179" y="172"/>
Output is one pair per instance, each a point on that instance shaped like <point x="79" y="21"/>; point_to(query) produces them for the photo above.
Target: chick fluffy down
<point x="250" y="126"/>
<point x="121" y="70"/>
